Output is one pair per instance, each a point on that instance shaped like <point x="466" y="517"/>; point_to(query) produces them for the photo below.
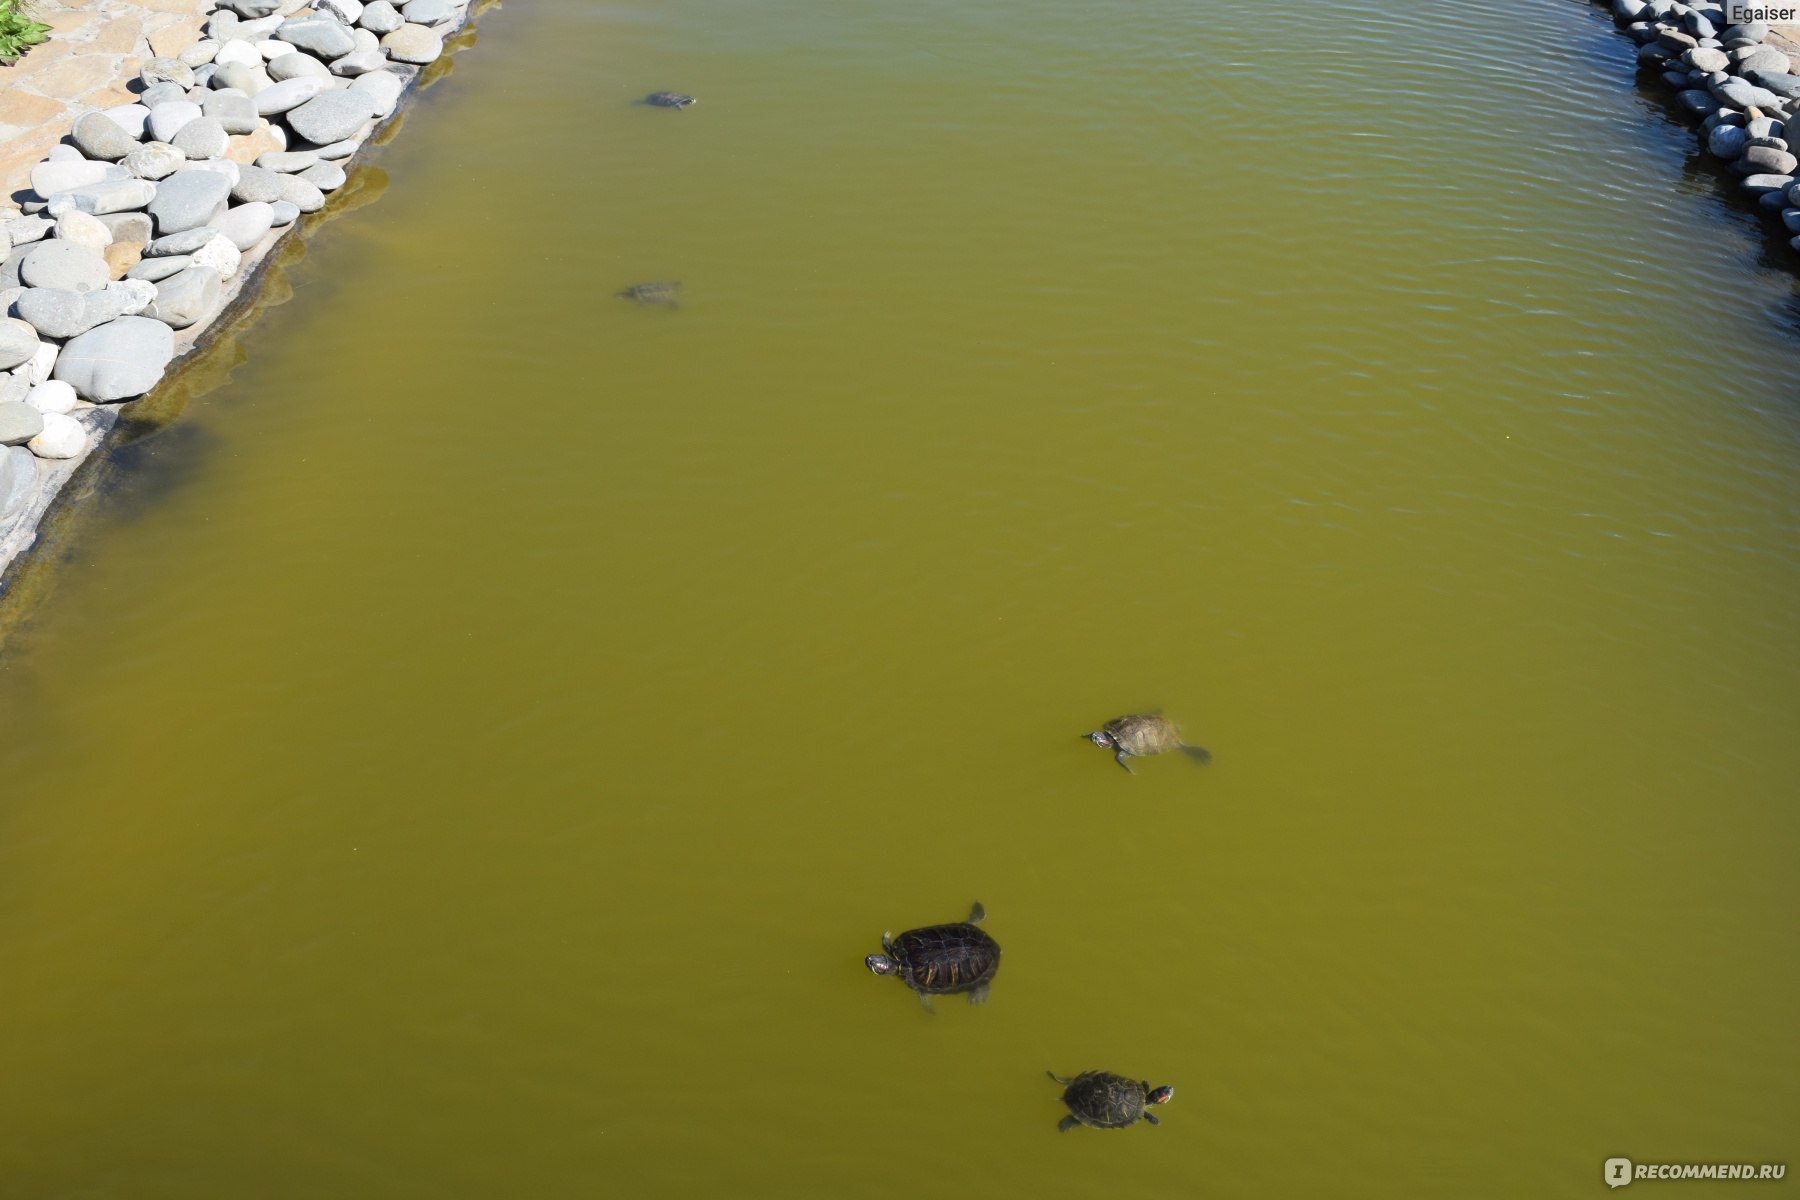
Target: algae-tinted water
<point x="468" y="752"/>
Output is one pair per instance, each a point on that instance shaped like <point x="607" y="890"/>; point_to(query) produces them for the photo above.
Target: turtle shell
<point x="1105" y="1101"/>
<point x="939" y="960"/>
<point x="1142" y="734"/>
<point x="668" y="100"/>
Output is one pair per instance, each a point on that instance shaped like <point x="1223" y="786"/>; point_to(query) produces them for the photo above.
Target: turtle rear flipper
<point x="1066" y="1124"/>
<point x="977" y="914"/>
<point x="979" y="994"/>
<point x="1199" y="754"/>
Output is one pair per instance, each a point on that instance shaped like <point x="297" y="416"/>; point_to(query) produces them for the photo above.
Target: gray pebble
<point x="287" y="161"/>
<point x="58" y="312"/>
<point x="200" y="53"/>
<point x="1726" y="142"/>
<point x="167" y="70"/>
<point x="185" y="242"/>
<point x="162" y="93"/>
<point x="171" y="117"/>
<point x="257" y="184"/>
<point x="233" y="110"/>
<point x="1758" y="184"/>
<point x="413" y="44"/>
<point x="331" y="116"/>
<point x="132" y="228"/>
<point x="245" y="224"/>
<point x="332" y="151"/>
<point x="1755" y="31"/>
<point x="22" y="230"/>
<point x="361" y="62"/>
<point x="18" y="342"/>
<point x="383" y="89"/>
<point x="238" y="78"/>
<point x="49" y="178"/>
<point x="1760" y="58"/>
<point x="284" y="212"/>
<point x="429" y="12"/>
<point x="303" y="195"/>
<point x="185" y="297"/>
<point x="1706" y="60"/>
<point x="288" y="94"/>
<point x="326" y="176"/>
<point x="380" y="17"/>
<point x="293" y="66"/>
<point x="323" y="36"/>
<point x="154" y="160"/>
<point x="158" y="269"/>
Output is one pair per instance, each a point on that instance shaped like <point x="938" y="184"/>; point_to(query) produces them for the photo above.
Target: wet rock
<point x="185" y="297"/>
<point x="380" y="17"/>
<point x="1758" y="184"/>
<point x="18" y="342"/>
<point x="1791" y="218"/>
<point x="19" y="423"/>
<point x="289" y="94"/>
<point x="56" y="264"/>
<point x="413" y="44"/>
<point x="233" y="110"/>
<point x="1627" y="11"/>
<point x="325" y="37"/>
<point x="245" y="224"/>
<point x="167" y="70"/>
<point x="188" y="199"/>
<point x="99" y="136"/>
<point x="117" y="360"/>
<point x="61" y="437"/>
<point x="204" y="138"/>
<point x="1726" y="142"/>
<point x="154" y="160"/>
<point x="170" y="117"/>
<point x="1697" y="102"/>
<point x="298" y="65"/>
<point x="331" y="116"/>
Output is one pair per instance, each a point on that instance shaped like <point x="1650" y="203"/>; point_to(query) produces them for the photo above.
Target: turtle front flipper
<point x="1058" y="1078"/>
<point x="1119" y="756"/>
<point x="1151" y="1117"/>
<point x="1066" y="1124"/>
<point x="1199" y="754"/>
<point x="926" y="1001"/>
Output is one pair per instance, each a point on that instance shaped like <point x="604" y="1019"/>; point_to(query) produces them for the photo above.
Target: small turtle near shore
<point x="1102" y="1100"/>
<point x="1141" y="735"/>
<point x="674" y="100"/>
<point x="940" y="960"/>
<point x="661" y="291"/>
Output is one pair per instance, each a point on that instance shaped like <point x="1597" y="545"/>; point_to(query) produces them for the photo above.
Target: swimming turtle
<point x="940" y="960"/>
<point x="1102" y="1100"/>
<point x="1143" y="734"/>
<point x="674" y="100"/>
<point x="660" y="291"/>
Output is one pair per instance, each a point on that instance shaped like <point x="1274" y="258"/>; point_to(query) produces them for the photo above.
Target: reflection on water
<point x="487" y="723"/>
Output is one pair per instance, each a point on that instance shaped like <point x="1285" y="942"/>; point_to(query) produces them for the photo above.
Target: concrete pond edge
<point x="151" y="226"/>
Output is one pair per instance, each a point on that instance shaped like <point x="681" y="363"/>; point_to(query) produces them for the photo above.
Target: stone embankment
<point x="143" y="225"/>
<point x="1738" y="82"/>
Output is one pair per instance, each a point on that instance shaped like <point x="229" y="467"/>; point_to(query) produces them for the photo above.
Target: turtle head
<point x="1161" y="1095"/>
<point x="1102" y="739"/>
<point x="881" y="964"/>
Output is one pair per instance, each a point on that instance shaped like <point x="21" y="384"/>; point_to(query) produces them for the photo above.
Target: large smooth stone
<point x="289" y="94"/>
<point x="56" y="312"/>
<point x="1702" y="59"/>
<point x="240" y="51"/>
<point x="1766" y="161"/>
<point x="360" y="63"/>
<point x="84" y="230"/>
<point x="383" y="89"/>
<point x="117" y="360"/>
<point x="1760" y="58"/>
<point x="170" y="117"/>
<point x="285" y="161"/>
<point x="185" y="242"/>
<point x="19" y="423"/>
<point x="185" y="297"/>
<point x="130" y="118"/>
<point x="58" y="264"/>
<point x="132" y="228"/>
<point x="413" y="44"/>
<point x="325" y="37"/>
<point x="1758" y="184"/>
<point x="52" y="396"/>
<point x="205" y="138"/>
<point x="62" y="437"/>
<point x="49" y="178"/>
<point x="1726" y="142"/>
<point x="245" y="224"/>
<point x="200" y="53"/>
<point x="1779" y="82"/>
<point x="18" y="342"/>
<point x="188" y="199"/>
<point x="302" y="195"/>
<point x="326" y="176"/>
<point x="256" y="183"/>
<point x="331" y="116"/>
<point x="155" y="270"/>
<point x="99" y="136"/>
<point x="1755" y="31"/>
<point x="285" y="212"/>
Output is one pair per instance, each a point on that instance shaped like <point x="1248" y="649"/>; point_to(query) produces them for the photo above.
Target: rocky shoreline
<point x="151" y="219"/>
<point x="1737" y="82"/>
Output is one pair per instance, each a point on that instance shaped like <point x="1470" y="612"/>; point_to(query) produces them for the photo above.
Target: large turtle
<point x="1142" y="734"/>
<point x="674" y="100"/>
<point x="940" y="960"/>
<point x="660" y="291"/>
<point x="1102" y="1100"/>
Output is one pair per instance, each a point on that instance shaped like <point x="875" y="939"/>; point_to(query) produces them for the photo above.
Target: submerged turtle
<point x="1102" y="1100"/>
<point x="939" y="960"/>
<point x="661" y="291"/>
<point x="674" y="100"/>
<point x="1143" y="734"/>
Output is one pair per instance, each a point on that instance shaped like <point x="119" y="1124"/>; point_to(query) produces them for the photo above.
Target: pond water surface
<point x="472" y="736"/>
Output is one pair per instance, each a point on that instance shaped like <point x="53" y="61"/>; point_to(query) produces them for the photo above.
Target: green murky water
<point x="468" y="751"/>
